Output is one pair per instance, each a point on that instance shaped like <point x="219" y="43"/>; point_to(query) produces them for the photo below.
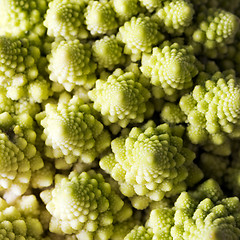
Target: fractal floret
<point x="171" y="66"/>
<point x="19" y="17"/>
<point x="125" y="9"/>
<point x="204" y="217"/>
<point x="100" y="17"/>
<point x="19" y="154"/>
<point x="139" y="233"/>
<point x="18" y="70"/>
<point x="213" y="109"/>
<point x="65" y="19"/>
<point x="107" y="52"/>
<point x="151" y="5"/>
<point x="14" y="226"/>
<point x="15" y="171"/>
<point x="71" y="130"/>
<point x="121" y="99"/>
<point x="215" y="29"/>
<point x="139" y="35"/>
<point x="174" y="16"/>
<point x="84" y="205"/>
<point x="70" y="64"/>
<point x="149" y="164"/>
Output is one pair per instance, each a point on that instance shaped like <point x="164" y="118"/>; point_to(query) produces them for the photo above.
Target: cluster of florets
<point x="84" y="204"/>
<point x="111" y="114"/>
<point x="149" y="164"/>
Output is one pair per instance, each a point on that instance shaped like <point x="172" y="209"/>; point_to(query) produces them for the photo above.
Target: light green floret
<point x="15" y="171"/>
<point x="19" y="58"/>
<point x="19" y="17"/>
<point x="215" y="29"/>
<point x="140" y="233"/>
<point x="65" y="18"/>
<point x="14" y="226"/>
<point x="70" y="64"/>
<point x="71" y="130"/>
<point x="107" y="52"/>
<point x="149" y="164"/>
<point x="170" y="66"/>
<point x="100" y="17"/>
<point x="151" y="5"/>
<point x="19" y="74"/>
<point x="172" y="113"/>
<point x="125" y="9"/>
<point x="39" y="89"/>
<point x="19" y="154"/>
<point x="139" y="35"/>
<point x="174" y="16"/>
<point x="213" y="109"/>
<point x="122" y="99"/>
<point x="84" y="205"/>
<point x="201" y="218"/>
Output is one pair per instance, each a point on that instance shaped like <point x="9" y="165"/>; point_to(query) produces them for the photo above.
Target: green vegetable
<point x="83" y="204"/>
<point x="203" y="217"/>
<point x="149" y="164"/>
<point x="117" y="117"/>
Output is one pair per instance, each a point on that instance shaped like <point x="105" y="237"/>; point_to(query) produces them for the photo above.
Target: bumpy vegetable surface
<point x="121" y="99"/>
<point x="84" y="205"/>
<point x="71" y="130"/>
<point x="149" y="164"/>
<point x="203" y="217"/>
<point x="116" y="116"/>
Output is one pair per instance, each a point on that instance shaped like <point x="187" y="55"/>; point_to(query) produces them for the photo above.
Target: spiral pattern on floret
<point x="148" y="164"/>
<point x="171" y="67"/>
<point x="107" y="52"/>
<point x="19" y="17"/>
<point x="70" y="64"/>
<point x="174" y="16"/>
<point x="65" y="18"/>
<point x="72" y="129"/>
<point x="100" y="17"/>
<point x="83" y="204"/>
<point x="121" y="99"/>
<point x="212" y="107"/>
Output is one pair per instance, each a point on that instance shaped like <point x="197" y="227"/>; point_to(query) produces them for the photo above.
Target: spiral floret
<point x="65" y="19"/>
<point x="207" y="217"/>
<point x="125" y="9"/>
<point x="100" y="17"/>
<point x="19" y="73"/>
<point x="107" y="52"/>
<point x="139" y="233"/>
<point x="70" y="129"/>
<point x="70" y="64"/>
<point x="213" y="109"/>
<point x="14" y="225"/>
<point x="151" y="5"/>
<point x="174" y="16"/>
<point x="19" y="17"/>
<point x="215" y="29"/>
<point x="170" y="66"/>
<point x="139" y="34"/>
<point x="149" y="164"/>
<point x="84" y="205"/>
<point x="121" y="99"/>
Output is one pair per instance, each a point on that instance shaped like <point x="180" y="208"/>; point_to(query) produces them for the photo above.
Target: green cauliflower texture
<point x="149" y="164"/>
<point x="84" y="205"/>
